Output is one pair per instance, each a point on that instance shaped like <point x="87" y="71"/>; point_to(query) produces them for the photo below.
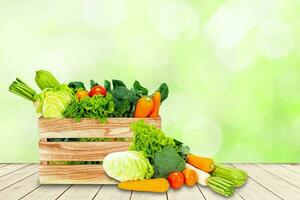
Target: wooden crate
<point x="81" y="151"/>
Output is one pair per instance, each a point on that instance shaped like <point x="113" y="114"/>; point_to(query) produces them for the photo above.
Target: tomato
<point x="176" y="180"/>
<point x="81" y="94"/>
<point x="190" y="177"/>
<point x="96" y="90"/>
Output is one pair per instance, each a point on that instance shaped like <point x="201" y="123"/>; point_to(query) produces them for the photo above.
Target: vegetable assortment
<point x="172" y="162"/>
<point x="74" y="100"/>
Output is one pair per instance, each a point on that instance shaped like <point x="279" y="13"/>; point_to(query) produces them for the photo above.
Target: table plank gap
<point x="112" y="192"/>
<point x="285" y="174"/>
<point x="8" y="169"/>
<point x="97" y="192"/>
<point x="279" y="187"/>
<point x="292" y="167"/>
<point x="79" y="192"/>
<point x="185" y="193"/>
<point x="46" y="192"/>
<point x="16" y="176"/>
<point x="20" y="188"/>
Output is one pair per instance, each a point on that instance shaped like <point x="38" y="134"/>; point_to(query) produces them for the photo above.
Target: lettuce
<point x="54" y="101"/>
<point x="127" y="165"/>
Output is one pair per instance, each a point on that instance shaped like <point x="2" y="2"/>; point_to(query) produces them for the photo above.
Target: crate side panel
<point x="74" y="174"/>
<point x="79" y="151"/>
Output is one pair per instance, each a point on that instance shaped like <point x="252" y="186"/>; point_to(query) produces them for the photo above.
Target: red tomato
<point x="96" y="90"/>
<point x="176" y="180"/>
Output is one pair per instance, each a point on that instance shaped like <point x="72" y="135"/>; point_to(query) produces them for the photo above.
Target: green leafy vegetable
<point x="236" y="176"/>
<point x="127" y="166"/>
<point x="54" y="101"/>
<point x="149" y="139"/>
<point x="167" y="161"/>
<point x="107" y="85"/>
<point x="76" y="85"/>
<point x="183" y="151"/>
<point x="164" y="91"/>
<point x="140" y="89"/>
<point x="93" y="83"/>
<point x="96" y="107"/>
<point x="18" y="87"/>
<point x="118" y="83"/>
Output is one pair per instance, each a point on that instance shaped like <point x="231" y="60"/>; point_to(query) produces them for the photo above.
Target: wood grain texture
<point x="74" y="174"/>
<point x="90" y="128"/>
<point x="80" y="192"/>
<point x="79" y="151"/>
<point x="148" y="196"/>
<point x="185" y="193"/>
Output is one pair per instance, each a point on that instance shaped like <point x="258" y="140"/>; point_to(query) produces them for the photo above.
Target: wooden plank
<point x="21" y="188"/>
<point x="46" y="192"/>
<point x="2" y="165"/>
<point x="11" y="168"/>
<point x="74" y="174"/>
<point x="79" y="192"/>
<point x="293" y="167"/>
<point x="79" y="151"/>
<point x="90" y="128"/>
<point x="148" y="196"/>
<point x="185" y="193"/>
<point x="112" y="192"/>
<point x="278" y="186"/>
<point x="285" y="174"/>
<point x="211" y="195"/>
<point x="16" y="176"/>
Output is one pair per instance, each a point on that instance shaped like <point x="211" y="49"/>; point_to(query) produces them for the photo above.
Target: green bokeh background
<point x="232" y="68"/>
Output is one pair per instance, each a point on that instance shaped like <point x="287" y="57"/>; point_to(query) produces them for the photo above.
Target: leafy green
<point x="139" y="88"/>
<point x="124" y="99"/>
<point x="54" y="101"/>
<point x="127" y="166"/>
<point x="76" y="85"/>
<point x="183" y="151"/>
<point x="166" y="162"/>
<point x="149" y="139"/>
<point x="93" y="83"/>
<point x="96" y="107"/>
<point x="107" y="85"/>
<point x="164" y="91"/>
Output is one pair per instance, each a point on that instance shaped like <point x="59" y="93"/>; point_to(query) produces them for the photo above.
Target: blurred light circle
<point x="275" y="38"/>
<point x="104" y="14"/>
<point x="203" y="136"/>
<point x="174" y="18"/>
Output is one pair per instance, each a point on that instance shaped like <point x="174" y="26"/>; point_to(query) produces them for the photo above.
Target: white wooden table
<point x="266" y="181"/>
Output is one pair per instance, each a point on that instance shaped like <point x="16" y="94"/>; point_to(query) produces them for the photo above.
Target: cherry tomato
<point x="96" y="90"/>
<point x="190" y="177"/>
<point x="81" y="94"/>
<point x="176" y="179"/>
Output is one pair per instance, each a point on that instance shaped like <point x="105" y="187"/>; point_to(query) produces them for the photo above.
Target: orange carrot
<point x="149" y="185"/>
<point x="144" y="107"/>
<point x="205" y="164"/>
<point x="156" y="101"/>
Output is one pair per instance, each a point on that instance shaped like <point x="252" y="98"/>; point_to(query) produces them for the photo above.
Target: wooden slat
<point x="80" y="192"/>
<point x="16" y="176"/>
<point x="285" y="174"/>
<point x="46" y="192"/>
<point x="21" y="188"/>
<point x="79" y="151"/>
<point x="148" y="196"/>
<point x="293" y="167"/>
<point x="90" y="128"/>
<point x="74" y="174"/>
<point x="2" y="165"/>
<point x="185" y="193"/>
<point x="278" y="186"/>
<point x="11" y="168"/>
<point x="111" y="192"/>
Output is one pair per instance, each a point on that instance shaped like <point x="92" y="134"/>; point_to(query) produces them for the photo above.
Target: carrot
<point x="205" y="164"/>
<point x="144" y="107"/>
<point x="148" y="185"/>
<point x="156" y="104"/>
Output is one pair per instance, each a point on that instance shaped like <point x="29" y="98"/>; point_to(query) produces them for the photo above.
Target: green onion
<point x="18" y="87"/>
<point x="220" y="185"/>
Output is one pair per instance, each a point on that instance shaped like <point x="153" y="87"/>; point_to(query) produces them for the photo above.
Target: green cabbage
<point x="53" y="101"/>
<point x="127" y="165"/>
